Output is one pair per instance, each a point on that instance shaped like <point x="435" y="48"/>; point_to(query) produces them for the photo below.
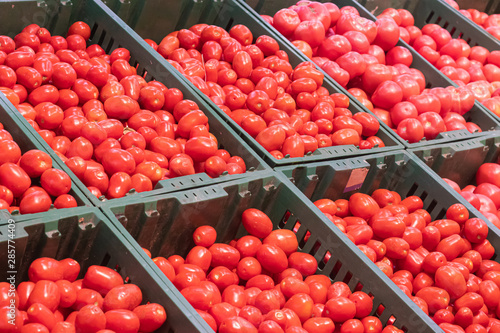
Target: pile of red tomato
<point x="490" y="23"/>
<point x="113" y="129"/>
<point x="286" y="109"/>
<point x="444" y="265"/>
<point x="475" y="67"/>
<point x="54" y="301"/>
<point x="362" y="56"/>
<point x="20" y="175"/>
<point x="260" y="283"/>
<point x="485" y="195"/>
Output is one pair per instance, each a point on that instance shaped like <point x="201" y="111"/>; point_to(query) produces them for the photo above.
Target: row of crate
<point x="155" y="19"/>
<point x="110" y="32"/>
<point x="113" y="234"/>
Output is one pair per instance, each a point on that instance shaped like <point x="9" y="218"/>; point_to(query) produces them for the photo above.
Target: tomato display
<point x="53" y="300"/>
<point x="490" y="23"/>
<point x="484" y="195"/>
<point x="362" y="56"/>
<point x="444" y="266"/>
<point x="113" y="129"/>
<point x="28" y="182"/>
<point x="262" y="283"/>
<point x="474" y="69"/>
<point x="287" y="110"/>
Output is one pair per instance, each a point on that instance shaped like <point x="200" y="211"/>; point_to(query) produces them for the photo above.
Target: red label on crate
<point x="356" y="179"/>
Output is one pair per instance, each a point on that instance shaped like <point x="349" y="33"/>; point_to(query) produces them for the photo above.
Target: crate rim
<point x="495" y="120"/>
<point x="272" y="161"/>
<point x="168" y="185"/>
<point x="134" y="249"/>
<point x="285" y="182"/>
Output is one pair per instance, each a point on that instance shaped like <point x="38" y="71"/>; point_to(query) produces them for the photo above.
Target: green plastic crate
<point x="109" y="32"/>
<point x="87" y="236"/>
<point x="399" y="171"/>
<point x="27" y="141"/>
<point x="434" y="78"/>
<point x="460" y="161"/>
<point x="156" y="18"/>
<point x="164" y="225"/>
<point x="439" y="12"/>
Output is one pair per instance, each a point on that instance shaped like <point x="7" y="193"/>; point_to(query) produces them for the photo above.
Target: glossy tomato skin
<point x="56" y="182"/>
<point x="15" y="178"/>
<point x="102" y="279"/>
<point x="257" y="223"/>
<point x="151" y="316"/>
<point x="122" y="320"/>
<point x="115" y="300"/>
<point x="363" y="205"/>
<point x="90" y="318"/>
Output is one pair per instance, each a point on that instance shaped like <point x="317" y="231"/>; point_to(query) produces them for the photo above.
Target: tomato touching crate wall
<point x="434" y="78"/>
<point x="28" y="141"/>
<point x="460" y="161"/>
<point x="87" y="236"/>
<point x="399" y="171"/>
<point x="164" y="225"/>
<point x="439" y="12"/>
<point x="110" y="33"/>
<point x="183" y="14"/>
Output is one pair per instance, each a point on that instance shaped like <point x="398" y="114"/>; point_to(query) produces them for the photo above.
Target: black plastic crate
<point x="87" y="236"/>
<point x="164" y="225"/>
<point x="109" y="32"/>
<point x="28" y="141"/>
<point x="434" y="78"/>
<point x="154" y="19"/>
<point x="439" y="12"/>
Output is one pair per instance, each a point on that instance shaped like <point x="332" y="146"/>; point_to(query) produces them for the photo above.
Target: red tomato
<point x="127" y="296"/>
<point x="151" y="316"/>
<point x="339" y="309"/>
<point x="14" y="178"/>
<point x="56" y="182"/>
<point x="257" y="223"/>
<point x="224" y="255"/>
<point x="122" y="320"/>
<point x="90" y="318"/>
<point x="101" y="279"/>
<point x="272" y="258"/>
<point x="451" y="280"/>
<point x="387" y="94"/>
<point x="363" y="205"/>
<point x="236" y="324"/>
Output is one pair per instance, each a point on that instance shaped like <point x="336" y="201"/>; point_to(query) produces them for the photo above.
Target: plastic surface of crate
<point x="434" y="78"/>
<point x="28" y="141"/>
<point x="87" y="236"/>
<point x="460" y="161"/>
<point x="492" y="7"/>
<point x="109" y="32"/>
<point x="156" y="18"/>
<point x="164" y="225"/>
<point x="439" y="12"/>
<point x="399" y="171"/>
